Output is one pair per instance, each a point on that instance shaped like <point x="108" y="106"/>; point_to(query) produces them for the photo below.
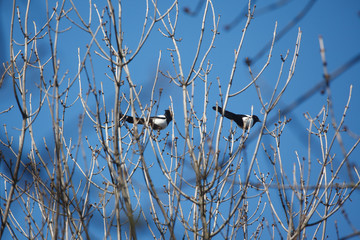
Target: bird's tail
<point x="227" y="114"/>
<point x="131" y="119"/>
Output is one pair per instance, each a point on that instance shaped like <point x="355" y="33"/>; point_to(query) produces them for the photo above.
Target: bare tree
<point x="123" y="178"/>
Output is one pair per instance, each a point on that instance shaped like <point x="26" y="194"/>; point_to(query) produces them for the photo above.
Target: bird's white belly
<point x="247" y="121"/>
<point x="161" y="123"/>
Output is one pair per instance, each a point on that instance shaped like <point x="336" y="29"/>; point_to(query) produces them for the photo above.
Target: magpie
<point x="158" y="122"/>
<point x="241" y="120"/>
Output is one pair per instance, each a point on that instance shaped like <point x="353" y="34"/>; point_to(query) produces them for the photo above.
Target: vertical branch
<point x="327" y="78"/>
<point x="23" y="110"/>
<point x="120" y="65"/>
<point x="54" y="111"/>
<point x="232" y="75"/>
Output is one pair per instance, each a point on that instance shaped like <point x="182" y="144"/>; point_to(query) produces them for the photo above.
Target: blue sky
<point x="338" y="22"/>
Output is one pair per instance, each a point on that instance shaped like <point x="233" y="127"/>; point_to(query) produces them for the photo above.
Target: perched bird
<point x="158" y="122"/>
<point x="241" y="120"/>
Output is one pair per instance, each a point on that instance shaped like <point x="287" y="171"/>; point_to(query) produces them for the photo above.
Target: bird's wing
<point x="242" y="115"/>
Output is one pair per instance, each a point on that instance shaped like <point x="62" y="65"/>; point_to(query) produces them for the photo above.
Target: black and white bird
<point x="158" y="122"/>
<point x="241" y="120"/>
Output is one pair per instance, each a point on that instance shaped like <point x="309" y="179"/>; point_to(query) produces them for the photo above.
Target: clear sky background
<point x="338" y="22"/>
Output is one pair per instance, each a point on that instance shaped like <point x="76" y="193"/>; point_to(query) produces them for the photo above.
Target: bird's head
<point x="168" y="114"/>
<point x="255" y="119"/>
